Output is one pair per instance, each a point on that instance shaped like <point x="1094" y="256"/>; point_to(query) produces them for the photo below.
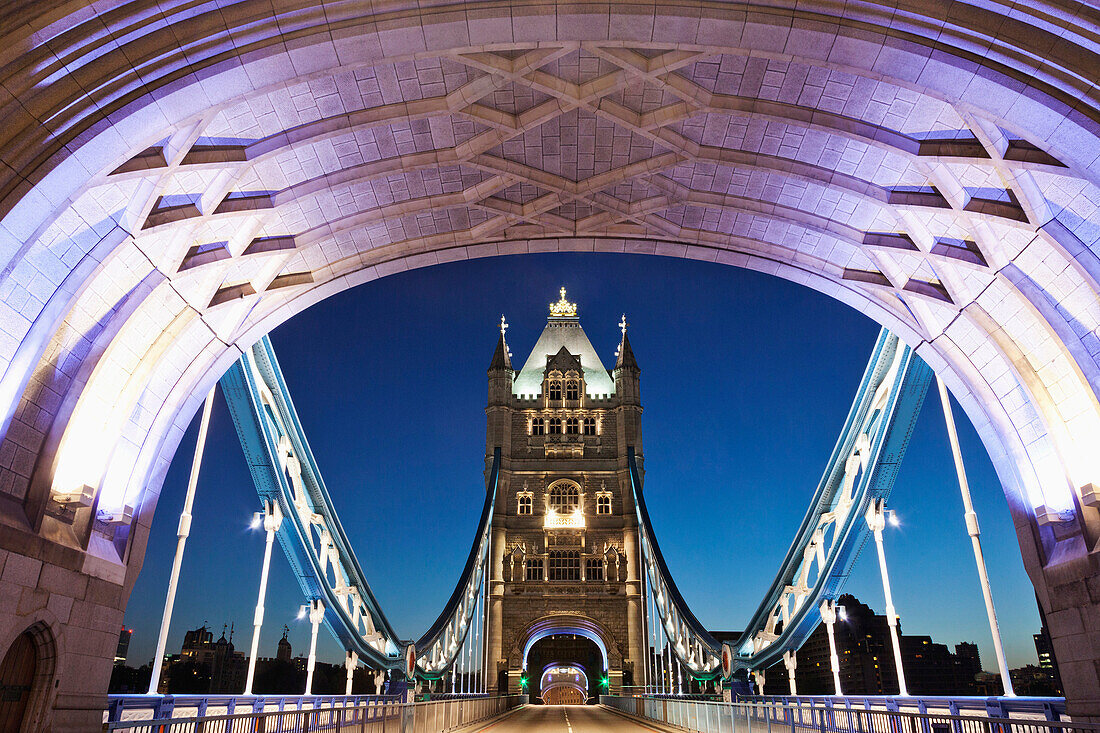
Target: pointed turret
<point x="625" y="358"/>
<point x="627" y="387"/>
<point x="502" y="360"/>
<point x="500" y="392"/>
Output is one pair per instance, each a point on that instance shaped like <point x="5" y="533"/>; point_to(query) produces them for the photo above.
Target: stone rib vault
<point x="179" y="177"/>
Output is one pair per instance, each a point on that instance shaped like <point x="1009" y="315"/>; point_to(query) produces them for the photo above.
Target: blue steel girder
<point x="861" y="469"/>
<point x="284" y="471"/>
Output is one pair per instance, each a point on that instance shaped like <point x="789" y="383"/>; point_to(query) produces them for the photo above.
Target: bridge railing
<point x="771" y="717"/>
<point x="1039" y="708"/>
<point x="384" y="714"/>
<point x="148" y="707"/>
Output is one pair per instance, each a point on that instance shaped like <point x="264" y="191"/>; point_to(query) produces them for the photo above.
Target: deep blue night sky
<point x="746" y="380"/>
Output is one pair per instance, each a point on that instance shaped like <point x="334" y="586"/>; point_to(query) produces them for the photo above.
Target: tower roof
<point x="625" y="358"/>
<point x="502" y="359"/>
<point x="563" y="330"/>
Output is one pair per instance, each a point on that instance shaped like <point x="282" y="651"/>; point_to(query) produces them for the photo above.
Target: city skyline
<point x="775" y="417"/>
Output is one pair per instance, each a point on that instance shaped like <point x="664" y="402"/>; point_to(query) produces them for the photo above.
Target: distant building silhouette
<point x="867" y="660"/>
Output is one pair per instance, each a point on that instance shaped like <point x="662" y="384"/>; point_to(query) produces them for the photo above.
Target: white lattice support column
<point x="790" y="661"/>
<point x="316" y="616"/>
<point x="828" y="616"/>
<point x="351" y="661"/>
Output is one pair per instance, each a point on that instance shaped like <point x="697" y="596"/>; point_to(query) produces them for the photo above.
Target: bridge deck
<point x="565" y="719"/>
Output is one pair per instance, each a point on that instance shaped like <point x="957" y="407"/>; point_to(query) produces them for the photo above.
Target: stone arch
<point x="107" y="312"/>
<point x="565" y="623"/>
<point x="42" y="693"/>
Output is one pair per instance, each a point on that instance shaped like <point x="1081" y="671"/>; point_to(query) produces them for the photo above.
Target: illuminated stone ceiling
<point x="180" y="178"/>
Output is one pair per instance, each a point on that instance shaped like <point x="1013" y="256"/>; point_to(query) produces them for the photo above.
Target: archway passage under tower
<point x="559" y="651"/>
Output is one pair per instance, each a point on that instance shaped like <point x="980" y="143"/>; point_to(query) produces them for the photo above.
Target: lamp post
<point x="316" y="610"/>
<point x="182" y="533"/>
<point x="972" y="529"/>
<point x="272" y="518"/>
<point x="876" y="521"/>
<point x="828" y="615"/>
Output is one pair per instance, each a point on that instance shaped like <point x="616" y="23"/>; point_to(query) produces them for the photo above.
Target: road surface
<point x="565" y="719"/>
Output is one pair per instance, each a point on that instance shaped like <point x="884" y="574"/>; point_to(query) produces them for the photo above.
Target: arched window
<point x="593" y="568"/>
<point x="554" y="425"/>
<point x="564" y="497"/>
<point x="572" y="390"/>
<point x="538" y="426"/>
<point x="524" y="502"/>
<point x="572" y="426"/>
<point x="565" y="565"/>
<point x="603" y="502"/>
<point x="590" y="426"/>
<point x="555" y="389"/>
<point x="532" y="568"/>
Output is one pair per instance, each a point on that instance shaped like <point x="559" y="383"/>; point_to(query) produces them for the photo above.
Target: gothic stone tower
<point x="564" y="536"/>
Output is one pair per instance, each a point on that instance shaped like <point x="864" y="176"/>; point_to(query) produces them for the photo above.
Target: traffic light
<point x="603" y="681"/>
<point x="523" y="682"/>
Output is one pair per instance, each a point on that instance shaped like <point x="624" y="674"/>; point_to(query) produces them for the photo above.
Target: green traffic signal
<point x="523" y="681"/>
<point x="603" y="681"/>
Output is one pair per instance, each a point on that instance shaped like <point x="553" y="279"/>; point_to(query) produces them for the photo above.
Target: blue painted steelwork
<point x="284" y="470"/>
<point x="862" y="468"/>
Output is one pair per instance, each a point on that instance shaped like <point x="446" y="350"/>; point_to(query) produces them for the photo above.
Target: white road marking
<point x="567" y="723"/>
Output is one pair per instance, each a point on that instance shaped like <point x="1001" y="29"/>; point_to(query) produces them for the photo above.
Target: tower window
<point x="572" y="426"/>
<point x="538" y="426"/>
<point x="572" y="390"/>
<point x="532" y="569"/>
<point x="555" y="390"/>
<point x="524" y="502"/>
<point x="565" y="565"/>
<point x="593" y="569"/>
<point x="555" y="426"/>
<point x="603" y="502"/>
<point x="590" y="426"/>
<point x="564" y="498"/>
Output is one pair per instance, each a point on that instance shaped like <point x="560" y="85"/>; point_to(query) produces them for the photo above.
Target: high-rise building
<point x="123" y="645"/>
<point x="1044" y="649"/>
<point x="564" y="577"/>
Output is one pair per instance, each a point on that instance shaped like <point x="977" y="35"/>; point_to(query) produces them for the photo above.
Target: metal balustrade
<point x="145" y="707"/>
<point x="376" y="715"/>
<point x="1042" y="708"/>
<point x="773" y="717"/>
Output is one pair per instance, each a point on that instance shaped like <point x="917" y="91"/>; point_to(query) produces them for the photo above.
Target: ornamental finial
<point x="623" y="324"/>
<point x="503" y="324"/>
<point x="563" y="308"/>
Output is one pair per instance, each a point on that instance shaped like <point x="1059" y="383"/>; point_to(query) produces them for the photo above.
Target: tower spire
<point x="624" y="355"/>
<point x="502" y="357"/>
